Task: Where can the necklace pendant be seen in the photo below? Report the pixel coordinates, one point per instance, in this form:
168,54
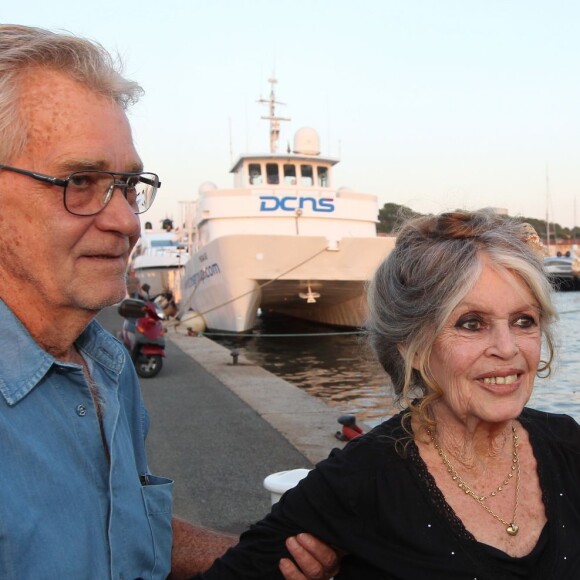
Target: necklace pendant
512,529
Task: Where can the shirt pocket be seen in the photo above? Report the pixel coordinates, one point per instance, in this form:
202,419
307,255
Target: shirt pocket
158,499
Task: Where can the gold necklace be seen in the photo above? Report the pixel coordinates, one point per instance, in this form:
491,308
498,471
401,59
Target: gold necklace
511,527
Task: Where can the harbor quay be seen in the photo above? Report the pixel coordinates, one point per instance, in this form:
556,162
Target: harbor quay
219,428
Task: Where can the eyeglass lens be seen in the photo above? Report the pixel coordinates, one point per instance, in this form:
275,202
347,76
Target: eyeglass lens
88,192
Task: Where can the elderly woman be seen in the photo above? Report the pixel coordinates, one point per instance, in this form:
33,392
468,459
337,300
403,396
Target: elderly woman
466,482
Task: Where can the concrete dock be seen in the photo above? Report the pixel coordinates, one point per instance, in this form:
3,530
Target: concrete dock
219,429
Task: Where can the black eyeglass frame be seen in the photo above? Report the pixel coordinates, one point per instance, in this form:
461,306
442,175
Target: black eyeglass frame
64,183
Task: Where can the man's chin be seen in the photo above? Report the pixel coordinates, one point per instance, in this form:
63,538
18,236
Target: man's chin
102,300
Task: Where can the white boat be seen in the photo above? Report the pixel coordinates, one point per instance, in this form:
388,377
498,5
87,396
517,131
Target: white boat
563,270
282,240
158,259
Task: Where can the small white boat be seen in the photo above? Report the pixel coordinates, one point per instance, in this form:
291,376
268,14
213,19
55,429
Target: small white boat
283,240
563,270
158,259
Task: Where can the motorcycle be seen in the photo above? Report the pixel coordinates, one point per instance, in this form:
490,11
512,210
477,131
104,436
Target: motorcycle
350,430
143,334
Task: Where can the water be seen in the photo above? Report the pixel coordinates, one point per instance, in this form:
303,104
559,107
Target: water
338,367
561,392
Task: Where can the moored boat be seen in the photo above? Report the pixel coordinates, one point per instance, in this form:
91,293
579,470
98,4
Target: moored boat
563,270
283,240
158,260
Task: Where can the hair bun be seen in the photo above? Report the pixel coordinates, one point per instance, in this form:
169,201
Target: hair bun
457,225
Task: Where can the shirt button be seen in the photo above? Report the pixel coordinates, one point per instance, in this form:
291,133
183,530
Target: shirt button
81,410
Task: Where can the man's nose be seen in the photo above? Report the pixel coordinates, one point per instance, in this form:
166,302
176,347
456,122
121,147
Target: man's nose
118,213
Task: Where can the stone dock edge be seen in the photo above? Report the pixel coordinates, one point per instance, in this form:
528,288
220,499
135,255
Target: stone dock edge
306,422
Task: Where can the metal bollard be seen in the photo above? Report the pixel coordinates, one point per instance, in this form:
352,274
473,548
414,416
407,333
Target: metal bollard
234,354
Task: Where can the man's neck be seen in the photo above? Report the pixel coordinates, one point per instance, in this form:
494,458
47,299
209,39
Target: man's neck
54,330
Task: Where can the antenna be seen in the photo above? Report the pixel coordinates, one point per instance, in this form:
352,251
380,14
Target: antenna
274,121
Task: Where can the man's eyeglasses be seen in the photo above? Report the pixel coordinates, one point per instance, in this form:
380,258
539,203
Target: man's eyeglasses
88,192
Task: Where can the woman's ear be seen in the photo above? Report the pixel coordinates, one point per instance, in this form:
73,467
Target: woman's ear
402,348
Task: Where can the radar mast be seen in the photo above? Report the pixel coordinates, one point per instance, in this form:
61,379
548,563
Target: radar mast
274,121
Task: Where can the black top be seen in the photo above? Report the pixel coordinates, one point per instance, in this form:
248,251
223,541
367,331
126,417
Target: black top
387,513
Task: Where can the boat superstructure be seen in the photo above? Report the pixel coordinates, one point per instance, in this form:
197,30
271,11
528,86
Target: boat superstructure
283,240
158,259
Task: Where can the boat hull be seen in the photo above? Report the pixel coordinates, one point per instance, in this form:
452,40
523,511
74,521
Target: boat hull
160,280
158,260
301,276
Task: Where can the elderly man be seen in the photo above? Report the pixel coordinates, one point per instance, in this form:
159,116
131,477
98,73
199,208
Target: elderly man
77,498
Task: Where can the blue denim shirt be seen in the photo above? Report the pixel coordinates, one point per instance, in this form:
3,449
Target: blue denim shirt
65,512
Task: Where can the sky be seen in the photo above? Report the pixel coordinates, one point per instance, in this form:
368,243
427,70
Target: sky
432,104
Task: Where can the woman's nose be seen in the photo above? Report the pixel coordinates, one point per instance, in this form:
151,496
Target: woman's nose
503,341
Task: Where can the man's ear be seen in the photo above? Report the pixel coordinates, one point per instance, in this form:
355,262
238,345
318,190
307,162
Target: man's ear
402,348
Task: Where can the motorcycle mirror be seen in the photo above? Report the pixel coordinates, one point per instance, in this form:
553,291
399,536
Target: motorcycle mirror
131,308
347,420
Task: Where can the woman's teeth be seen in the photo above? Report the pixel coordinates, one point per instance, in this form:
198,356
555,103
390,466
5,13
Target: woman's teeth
500,380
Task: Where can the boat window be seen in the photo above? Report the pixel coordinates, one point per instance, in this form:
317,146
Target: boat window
290,174
255,174
272,173
322,176
163,243
306,175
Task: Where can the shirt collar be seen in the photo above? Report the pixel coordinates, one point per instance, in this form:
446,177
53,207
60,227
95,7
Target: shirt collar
23,363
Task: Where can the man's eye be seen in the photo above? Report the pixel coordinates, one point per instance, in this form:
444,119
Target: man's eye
81,181
133,182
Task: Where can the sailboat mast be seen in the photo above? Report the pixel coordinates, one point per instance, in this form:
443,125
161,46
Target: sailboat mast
547,210
574,229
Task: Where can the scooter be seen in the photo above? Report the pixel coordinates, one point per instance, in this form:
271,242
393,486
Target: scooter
350,430
142,334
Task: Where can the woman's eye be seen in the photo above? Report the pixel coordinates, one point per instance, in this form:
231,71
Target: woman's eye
525,321
469,324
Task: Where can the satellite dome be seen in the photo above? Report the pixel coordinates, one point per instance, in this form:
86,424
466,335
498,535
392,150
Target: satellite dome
306,142
207,186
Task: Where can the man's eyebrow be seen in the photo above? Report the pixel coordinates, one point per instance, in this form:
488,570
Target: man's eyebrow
74,165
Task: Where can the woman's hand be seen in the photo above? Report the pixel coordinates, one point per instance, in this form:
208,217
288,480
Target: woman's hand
315,560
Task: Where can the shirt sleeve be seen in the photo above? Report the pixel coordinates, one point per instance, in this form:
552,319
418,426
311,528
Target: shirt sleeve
323,504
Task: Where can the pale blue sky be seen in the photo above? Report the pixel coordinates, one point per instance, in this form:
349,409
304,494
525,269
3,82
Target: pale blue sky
435,104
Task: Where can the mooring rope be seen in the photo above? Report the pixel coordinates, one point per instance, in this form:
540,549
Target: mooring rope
260,335
200,314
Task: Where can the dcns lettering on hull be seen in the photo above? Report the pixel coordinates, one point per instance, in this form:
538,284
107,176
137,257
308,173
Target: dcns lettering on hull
292,203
